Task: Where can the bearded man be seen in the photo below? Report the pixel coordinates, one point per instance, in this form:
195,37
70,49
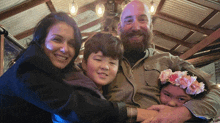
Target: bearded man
137,82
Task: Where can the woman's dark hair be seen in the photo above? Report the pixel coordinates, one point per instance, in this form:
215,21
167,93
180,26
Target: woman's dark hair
42,28
108,44
201,77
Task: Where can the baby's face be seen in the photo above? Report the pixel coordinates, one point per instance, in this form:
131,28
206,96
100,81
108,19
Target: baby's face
173,96
101,69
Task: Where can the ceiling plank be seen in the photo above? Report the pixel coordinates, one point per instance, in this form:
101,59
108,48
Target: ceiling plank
90,6
183,23
91,24
165,50
164,36
198,2
205,42
81,10
199,25
20,8
30,31
184,39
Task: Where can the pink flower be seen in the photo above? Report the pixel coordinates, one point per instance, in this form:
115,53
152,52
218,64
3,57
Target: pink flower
172,78
180,74
165,75
195,88
186,81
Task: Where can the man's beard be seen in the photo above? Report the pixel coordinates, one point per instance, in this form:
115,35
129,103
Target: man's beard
136,47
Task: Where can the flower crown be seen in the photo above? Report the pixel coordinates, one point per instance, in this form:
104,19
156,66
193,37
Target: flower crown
184,81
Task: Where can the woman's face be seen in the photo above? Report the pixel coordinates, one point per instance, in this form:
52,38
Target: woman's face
59,44
173,96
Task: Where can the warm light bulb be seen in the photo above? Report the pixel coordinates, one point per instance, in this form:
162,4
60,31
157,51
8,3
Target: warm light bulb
218,85
100,9
73,8
152,9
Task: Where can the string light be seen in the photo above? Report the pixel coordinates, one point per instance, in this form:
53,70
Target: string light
152,8
124,3
100,9
73,8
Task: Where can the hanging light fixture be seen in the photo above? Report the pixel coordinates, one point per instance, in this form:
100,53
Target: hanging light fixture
111,8
152,8
100,9
124,3
73,8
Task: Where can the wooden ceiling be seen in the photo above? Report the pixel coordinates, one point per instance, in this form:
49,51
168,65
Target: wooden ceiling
199,53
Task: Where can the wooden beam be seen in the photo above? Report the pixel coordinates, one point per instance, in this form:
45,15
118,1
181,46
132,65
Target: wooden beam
51,6
203,60
161,48
88,34
24,34
164,36
199,25
184,39
20,8
205,42
160,5
214,12
119,1
1,54
183,23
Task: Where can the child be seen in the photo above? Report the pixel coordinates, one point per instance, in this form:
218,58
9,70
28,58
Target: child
101,58
100,61
178,87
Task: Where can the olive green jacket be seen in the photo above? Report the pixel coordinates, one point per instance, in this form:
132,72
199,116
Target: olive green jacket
139,86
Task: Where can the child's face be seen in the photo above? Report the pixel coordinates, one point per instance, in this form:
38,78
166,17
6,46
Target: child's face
101,69
173,96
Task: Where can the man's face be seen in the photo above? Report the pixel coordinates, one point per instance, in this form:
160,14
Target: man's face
135,27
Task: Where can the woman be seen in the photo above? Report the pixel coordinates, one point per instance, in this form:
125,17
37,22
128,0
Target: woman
34,87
